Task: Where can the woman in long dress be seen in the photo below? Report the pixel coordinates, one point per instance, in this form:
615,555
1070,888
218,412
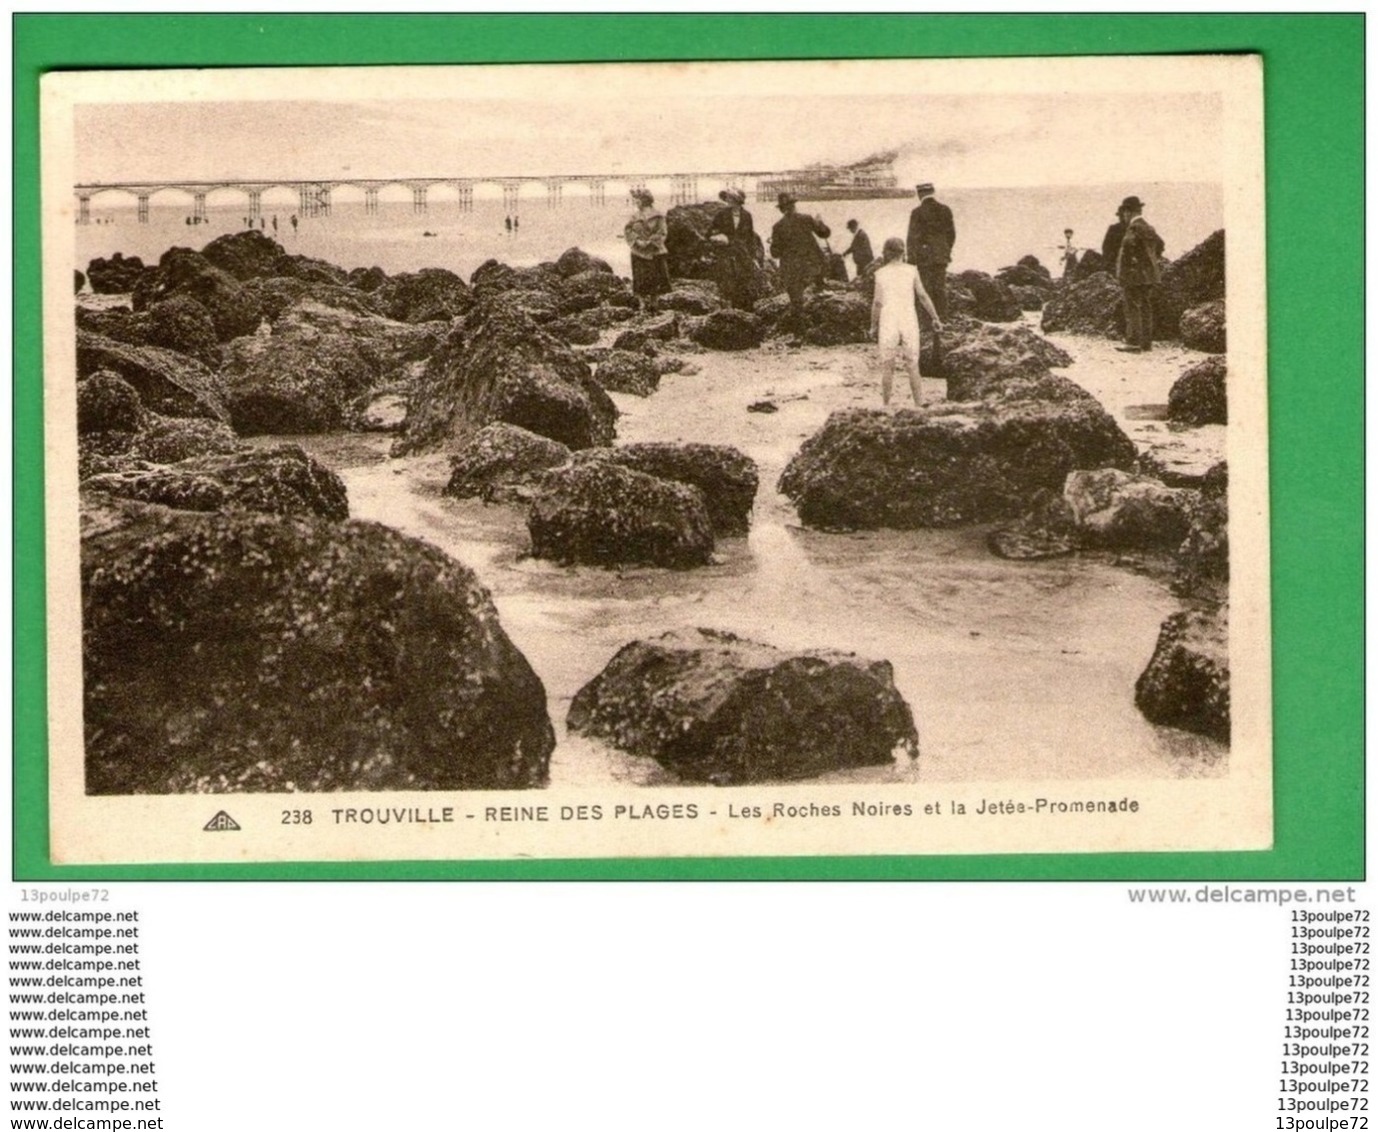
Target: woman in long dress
645,233
737,266
895,320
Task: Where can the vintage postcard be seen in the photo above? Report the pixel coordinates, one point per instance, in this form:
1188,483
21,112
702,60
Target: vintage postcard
663,460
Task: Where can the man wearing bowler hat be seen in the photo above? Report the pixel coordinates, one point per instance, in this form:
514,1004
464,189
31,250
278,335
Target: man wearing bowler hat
1138,271
793,243
929,247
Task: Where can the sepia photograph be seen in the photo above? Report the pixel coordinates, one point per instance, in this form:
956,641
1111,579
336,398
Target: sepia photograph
657,460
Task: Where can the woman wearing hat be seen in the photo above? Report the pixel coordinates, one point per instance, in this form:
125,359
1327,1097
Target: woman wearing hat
736,267
645,233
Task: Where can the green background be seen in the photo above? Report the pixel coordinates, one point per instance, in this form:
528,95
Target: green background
1315,223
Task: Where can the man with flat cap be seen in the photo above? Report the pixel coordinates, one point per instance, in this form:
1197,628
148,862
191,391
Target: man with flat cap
793,241
929,247
1138,271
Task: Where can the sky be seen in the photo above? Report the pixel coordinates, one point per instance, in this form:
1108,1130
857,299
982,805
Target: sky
955,139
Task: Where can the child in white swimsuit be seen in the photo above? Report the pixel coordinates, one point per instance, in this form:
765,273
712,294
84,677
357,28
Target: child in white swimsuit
895,321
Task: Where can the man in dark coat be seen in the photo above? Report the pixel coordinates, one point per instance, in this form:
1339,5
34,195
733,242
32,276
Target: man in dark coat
793,241
1110,246
860,248
1138,270
932,235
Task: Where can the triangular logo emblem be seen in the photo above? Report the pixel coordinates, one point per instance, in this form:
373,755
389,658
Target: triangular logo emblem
221,823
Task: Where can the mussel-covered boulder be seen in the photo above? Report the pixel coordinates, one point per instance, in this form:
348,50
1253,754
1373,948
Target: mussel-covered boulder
952,464
1028,272
114,276
624,371
500,366
367,279
247,652
182,324
1093,305
598,513
988,359
718,708
282,480
108,403
277,295
686,298
502,463
432,294
1203,327
307,381
1195,278
652,328
1203,559
990,299
1198,396
728,330
1112,508
78,281
167,382
167,440
233,310
726,476
573,261
692,254
1187,682
250,254
834,318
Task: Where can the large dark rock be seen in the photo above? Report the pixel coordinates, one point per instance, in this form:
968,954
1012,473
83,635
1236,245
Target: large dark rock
991,300
590,289
1028,272
250,254
117,323
692,255
623,371
182,324
1187,683
108,403
573,261
683,298
167,382
1203,327
499,366
985,359
652,328
429,295
282,480
1047,530
1198,396
233,309
1114,509
279,294
1203,559
716,708
726,476
1199,275
1089,263
728,330
389,348
952,464
834,318
502,463
79,281
1093,305
367,279
601,514
237,652
167,440
114,276
286,384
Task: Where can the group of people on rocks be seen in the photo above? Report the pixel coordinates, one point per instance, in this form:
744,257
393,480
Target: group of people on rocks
910,276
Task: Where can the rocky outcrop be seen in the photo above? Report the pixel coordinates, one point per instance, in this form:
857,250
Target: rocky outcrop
429,295
1203,559
728,330
598,513
1092,305
114,276
499,366
108,403
699,300
116,433
726,476
714,707
976,294
182,324
623,371
239,652
167,382
1114,509
232,309
1187,682
953,464
278,295
1028,272
1195,278
574,261
987,360
502,463
247,255
1198,397
835,318
1203,327
282,480
167,440
654,328
692,255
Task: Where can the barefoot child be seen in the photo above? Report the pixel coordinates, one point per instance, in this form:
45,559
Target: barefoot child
894,319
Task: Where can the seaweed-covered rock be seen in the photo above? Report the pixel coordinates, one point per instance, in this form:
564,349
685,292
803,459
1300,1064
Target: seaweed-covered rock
502,463
168,440
1203,327
714,707
182,324
1114,509
1187,682
432,294
692,300
282,480
951,464
1028,272
1092,305
246,652
573,261
291,384
1198,396
367,279
834,318
114,276
233,309
1203,559
108,403
726,476
79,281
692,255
1199,275
1047,530
728,330
988,359
622,371
167,382
653,328
601,514
279,295
500,366
250,254
991,300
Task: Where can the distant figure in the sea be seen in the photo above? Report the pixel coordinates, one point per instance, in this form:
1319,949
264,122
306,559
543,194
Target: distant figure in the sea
645,233
293,222
275,224
188,220
894,321
1110,246
262,223
1069,254
859,249
507,220
1139,272
794,242
932,235
737,269
516,223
